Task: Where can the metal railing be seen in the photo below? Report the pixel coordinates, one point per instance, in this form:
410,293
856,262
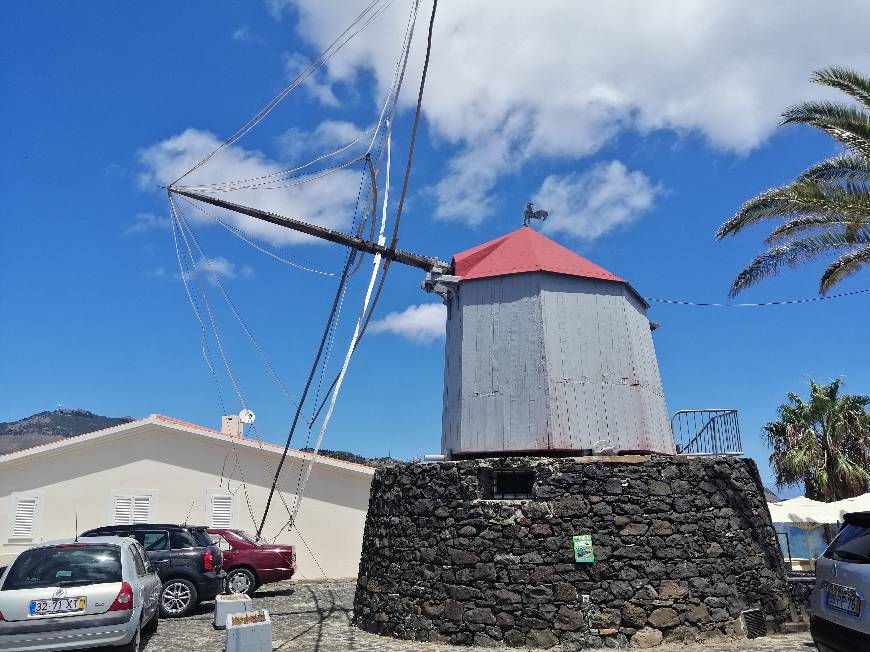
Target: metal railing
706,432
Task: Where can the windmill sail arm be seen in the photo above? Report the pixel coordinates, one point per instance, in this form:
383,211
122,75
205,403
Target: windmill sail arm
406,258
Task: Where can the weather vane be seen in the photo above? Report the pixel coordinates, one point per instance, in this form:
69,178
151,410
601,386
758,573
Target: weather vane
531,214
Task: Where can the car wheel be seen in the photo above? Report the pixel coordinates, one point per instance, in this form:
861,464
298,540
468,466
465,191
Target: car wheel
178,598
135,643
241,580
151,626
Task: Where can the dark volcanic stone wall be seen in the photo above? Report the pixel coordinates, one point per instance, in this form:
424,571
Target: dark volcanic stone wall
682,546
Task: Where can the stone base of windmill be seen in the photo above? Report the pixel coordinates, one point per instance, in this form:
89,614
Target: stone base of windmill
681,547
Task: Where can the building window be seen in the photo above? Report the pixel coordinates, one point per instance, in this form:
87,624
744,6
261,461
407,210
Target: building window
24,519
506,484
221,510
131,509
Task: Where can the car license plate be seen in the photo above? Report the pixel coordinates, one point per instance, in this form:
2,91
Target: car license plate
843,598
57,606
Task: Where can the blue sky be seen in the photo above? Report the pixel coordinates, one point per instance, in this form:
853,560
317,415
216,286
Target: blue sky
639,135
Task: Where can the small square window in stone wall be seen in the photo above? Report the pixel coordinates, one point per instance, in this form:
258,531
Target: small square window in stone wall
506,484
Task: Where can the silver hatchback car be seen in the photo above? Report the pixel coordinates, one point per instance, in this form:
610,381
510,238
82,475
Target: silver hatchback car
840,620
70,595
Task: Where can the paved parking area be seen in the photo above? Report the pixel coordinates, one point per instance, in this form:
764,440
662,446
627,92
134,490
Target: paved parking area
316,616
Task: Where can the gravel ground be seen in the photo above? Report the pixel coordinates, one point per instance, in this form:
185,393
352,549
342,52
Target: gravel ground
316,616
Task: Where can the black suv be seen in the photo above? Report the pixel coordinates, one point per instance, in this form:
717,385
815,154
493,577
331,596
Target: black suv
188,563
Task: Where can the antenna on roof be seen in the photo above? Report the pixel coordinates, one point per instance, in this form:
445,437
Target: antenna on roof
531,214
77,527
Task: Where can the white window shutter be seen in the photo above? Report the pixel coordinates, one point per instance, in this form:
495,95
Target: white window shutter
25,514
221,510
132,509
141,509
123,510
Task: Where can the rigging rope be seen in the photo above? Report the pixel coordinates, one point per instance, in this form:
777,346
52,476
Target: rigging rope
376,264
758,305
395,239
289,171
303,179
366,311
177,222
182,221
358,332
319,62
386,110
232,306
203,338
236,232
179,218
342,282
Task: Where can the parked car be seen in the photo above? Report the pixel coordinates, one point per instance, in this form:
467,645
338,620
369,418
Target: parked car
840,618
75,594
250,563
188,563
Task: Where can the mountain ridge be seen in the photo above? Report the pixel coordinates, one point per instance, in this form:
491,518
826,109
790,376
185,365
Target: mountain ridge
50,426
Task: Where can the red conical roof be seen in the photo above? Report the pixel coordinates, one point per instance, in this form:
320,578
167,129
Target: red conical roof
525,250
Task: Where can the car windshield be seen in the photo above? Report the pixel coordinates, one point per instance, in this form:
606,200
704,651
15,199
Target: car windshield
852,544
68,565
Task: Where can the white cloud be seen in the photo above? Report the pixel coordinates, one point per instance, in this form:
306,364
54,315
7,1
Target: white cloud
277,8
328,201
592,203
219,267
329,135
144,222
508,86
159,272
422,323
319,89
245,34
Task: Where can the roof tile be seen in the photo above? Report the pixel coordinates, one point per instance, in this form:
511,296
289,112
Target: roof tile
525,250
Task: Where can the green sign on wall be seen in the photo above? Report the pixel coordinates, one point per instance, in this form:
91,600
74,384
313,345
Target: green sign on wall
583,551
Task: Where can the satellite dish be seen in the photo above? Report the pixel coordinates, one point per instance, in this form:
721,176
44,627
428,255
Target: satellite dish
247,416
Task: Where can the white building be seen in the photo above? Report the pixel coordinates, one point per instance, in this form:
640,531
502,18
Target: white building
162,470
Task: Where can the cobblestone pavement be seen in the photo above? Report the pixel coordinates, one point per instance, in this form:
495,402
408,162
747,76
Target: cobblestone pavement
316,617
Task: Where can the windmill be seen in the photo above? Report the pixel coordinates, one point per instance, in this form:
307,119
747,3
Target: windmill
546,352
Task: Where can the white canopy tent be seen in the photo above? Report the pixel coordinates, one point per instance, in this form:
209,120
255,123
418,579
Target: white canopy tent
806,510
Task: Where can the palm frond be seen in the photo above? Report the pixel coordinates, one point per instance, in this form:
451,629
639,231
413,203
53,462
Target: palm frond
807,223
827,208
846,167
846,80
834,113
791,253
846,265
801,197
850,125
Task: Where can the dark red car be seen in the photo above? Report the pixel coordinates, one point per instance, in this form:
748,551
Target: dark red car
249,564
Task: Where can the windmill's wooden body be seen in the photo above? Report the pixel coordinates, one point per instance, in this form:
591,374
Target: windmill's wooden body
546,353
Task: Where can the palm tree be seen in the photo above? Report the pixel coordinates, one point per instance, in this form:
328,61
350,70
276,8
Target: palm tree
826,210
824,443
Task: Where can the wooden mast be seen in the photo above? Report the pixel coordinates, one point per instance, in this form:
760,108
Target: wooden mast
406,258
